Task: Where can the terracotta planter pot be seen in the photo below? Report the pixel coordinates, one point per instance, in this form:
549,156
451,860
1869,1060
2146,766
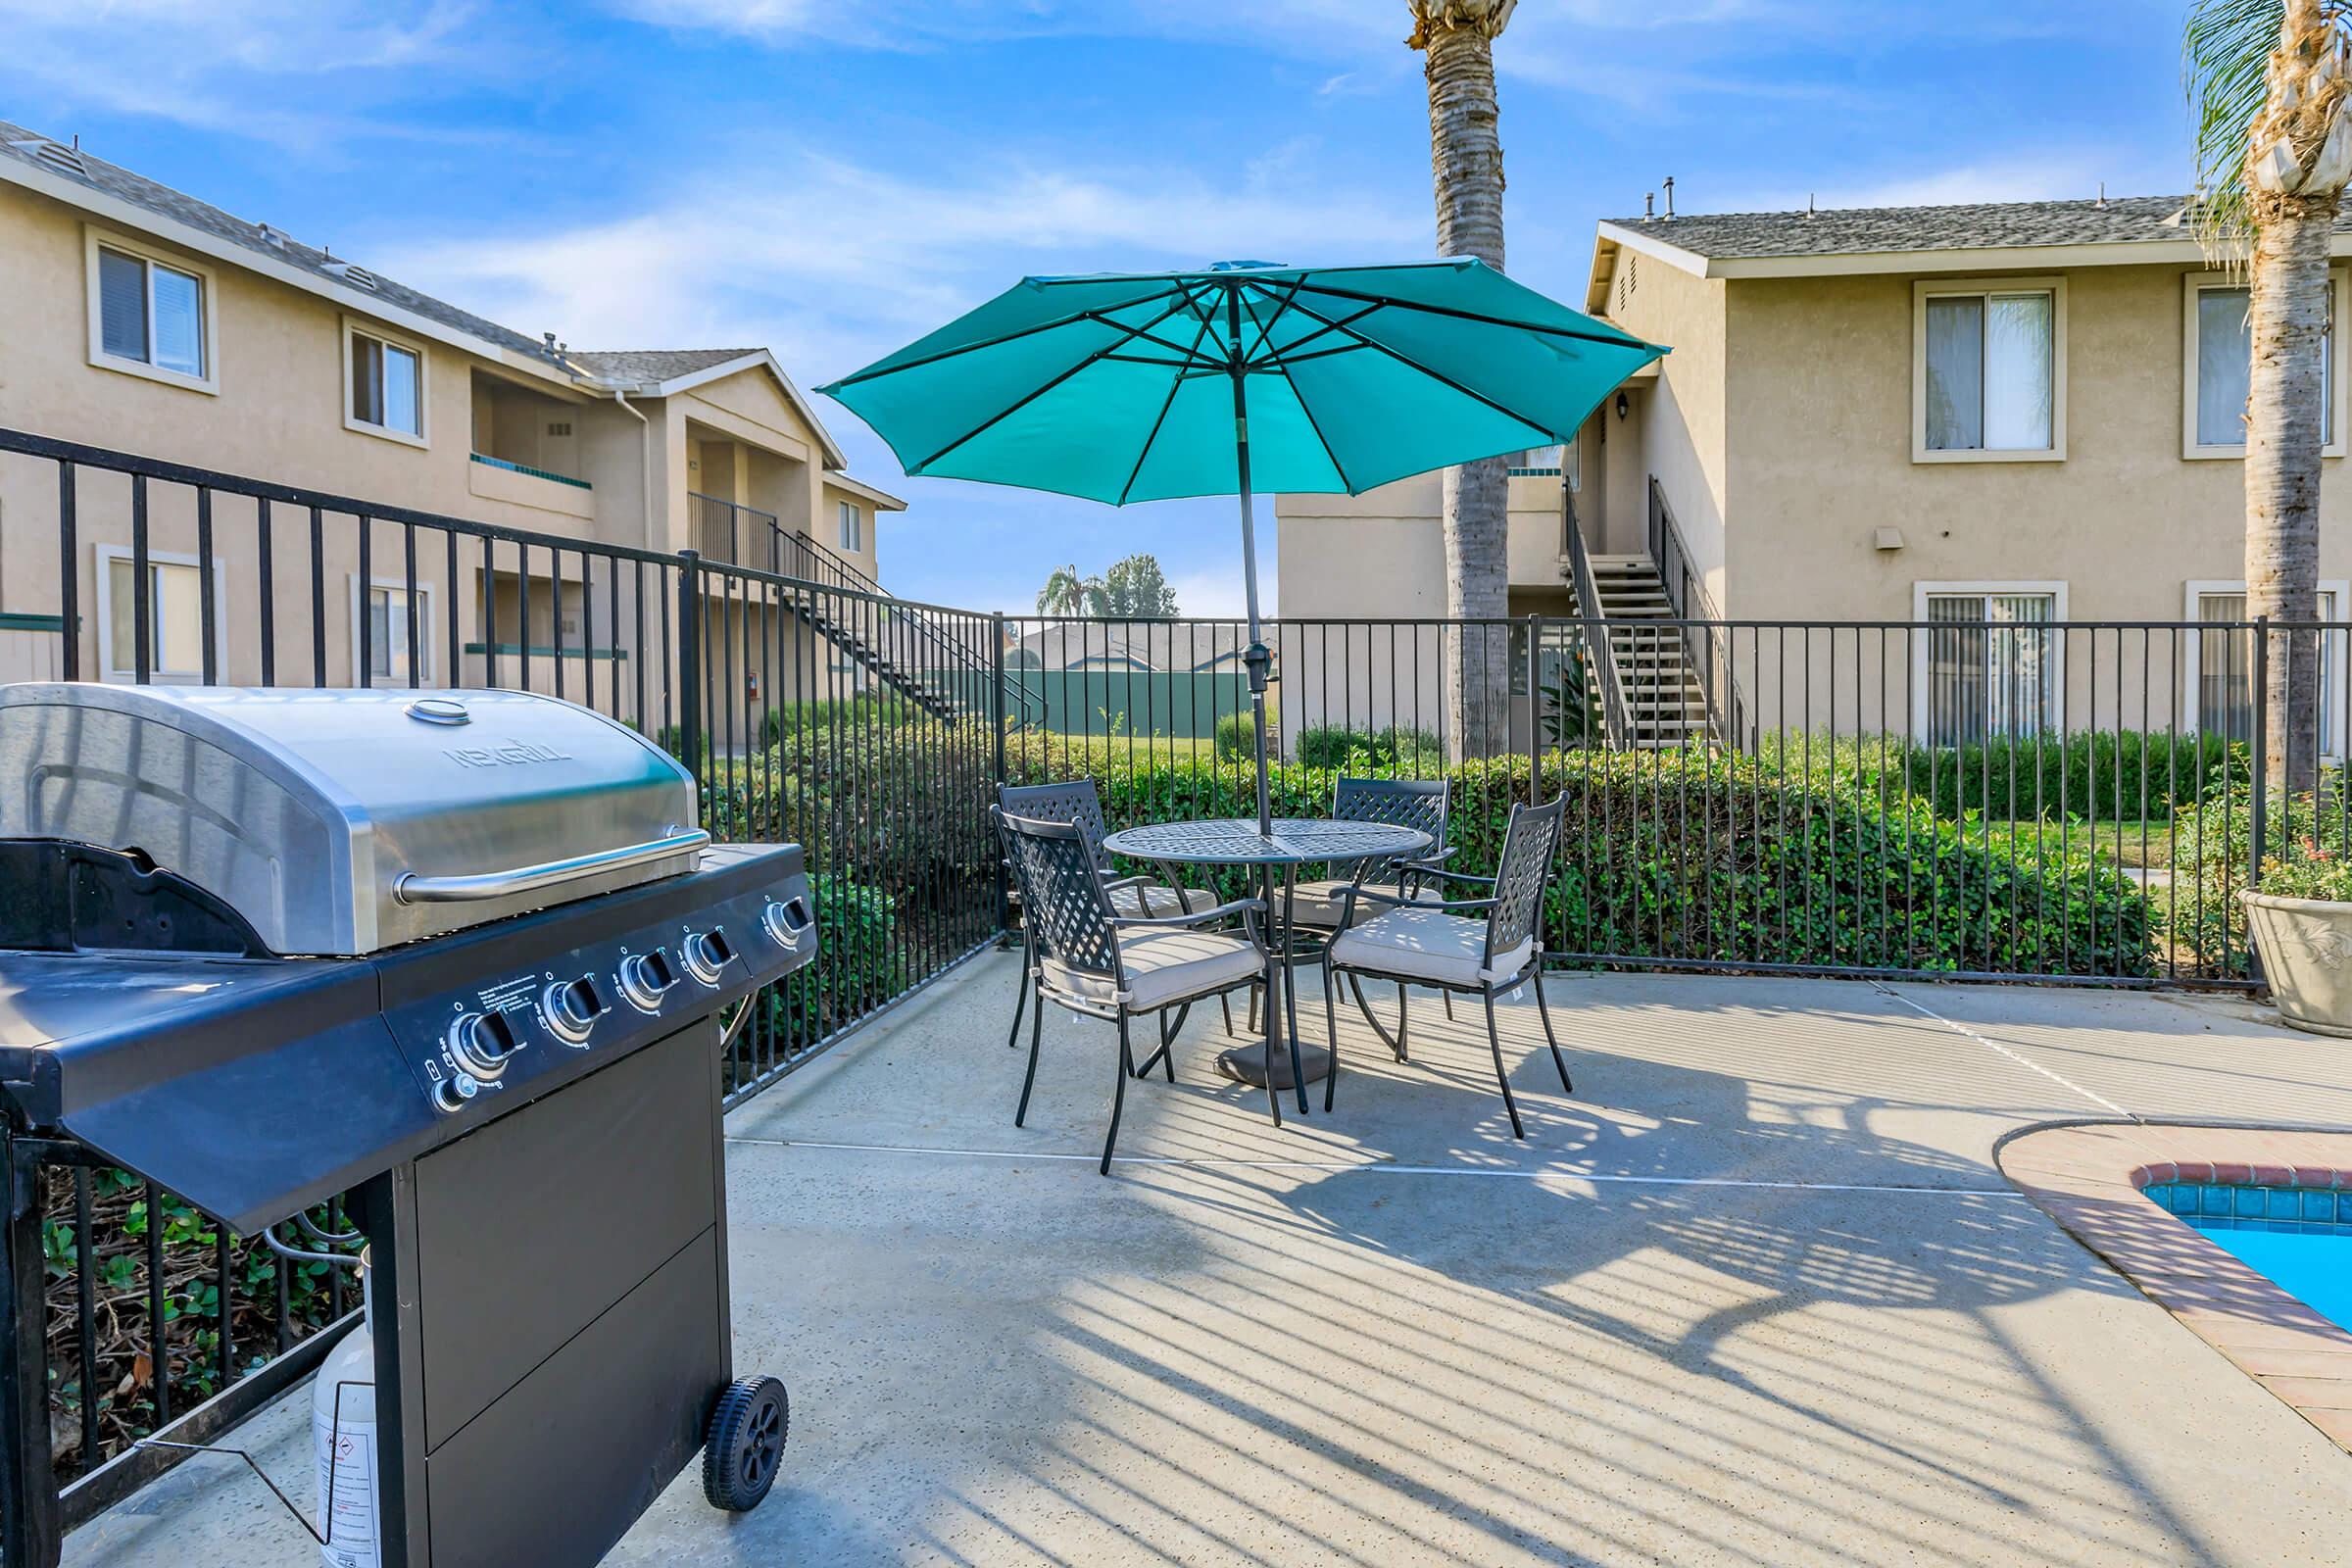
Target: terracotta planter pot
2306,950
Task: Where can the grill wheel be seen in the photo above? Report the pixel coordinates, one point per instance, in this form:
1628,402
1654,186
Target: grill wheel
745,1445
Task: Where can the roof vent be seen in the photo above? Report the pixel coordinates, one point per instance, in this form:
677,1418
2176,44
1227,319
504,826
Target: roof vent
352,272
56,155
273,238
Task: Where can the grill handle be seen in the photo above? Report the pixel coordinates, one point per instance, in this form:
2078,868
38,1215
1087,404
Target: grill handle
414,889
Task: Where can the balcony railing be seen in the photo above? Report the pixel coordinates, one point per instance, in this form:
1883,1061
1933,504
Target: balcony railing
488,460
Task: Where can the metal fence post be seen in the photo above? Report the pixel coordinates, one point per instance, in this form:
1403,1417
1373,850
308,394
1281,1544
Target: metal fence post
996,721
30,1535
2259,813
1535,713
690,660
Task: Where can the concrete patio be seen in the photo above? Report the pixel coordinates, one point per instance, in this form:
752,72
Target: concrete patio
1758,1293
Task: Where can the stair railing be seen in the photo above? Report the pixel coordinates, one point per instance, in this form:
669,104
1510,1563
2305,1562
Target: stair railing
797,554
1687,596
1616,716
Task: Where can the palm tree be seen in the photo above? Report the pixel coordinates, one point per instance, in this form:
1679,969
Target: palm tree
2268,81
1466,161
1065,592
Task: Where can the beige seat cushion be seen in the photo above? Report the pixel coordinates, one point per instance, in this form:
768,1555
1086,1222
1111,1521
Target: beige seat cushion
1156,900
1427,945
1317,903
1164,966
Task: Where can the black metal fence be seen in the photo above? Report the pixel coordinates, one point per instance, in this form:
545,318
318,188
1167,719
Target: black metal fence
808,707
1986,790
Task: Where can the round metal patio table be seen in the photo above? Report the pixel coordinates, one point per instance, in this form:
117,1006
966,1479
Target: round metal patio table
1273,860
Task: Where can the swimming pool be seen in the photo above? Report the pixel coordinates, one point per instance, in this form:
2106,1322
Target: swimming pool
2301,1238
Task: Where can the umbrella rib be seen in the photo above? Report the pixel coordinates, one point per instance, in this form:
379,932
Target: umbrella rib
1622,340
1285,355
1175,385
1011,409
1191,356
1439,376
875,372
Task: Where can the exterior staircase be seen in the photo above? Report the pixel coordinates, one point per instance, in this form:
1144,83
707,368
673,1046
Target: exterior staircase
1665,706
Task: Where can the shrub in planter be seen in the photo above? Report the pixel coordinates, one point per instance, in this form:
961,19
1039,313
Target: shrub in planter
2213,846
2301,923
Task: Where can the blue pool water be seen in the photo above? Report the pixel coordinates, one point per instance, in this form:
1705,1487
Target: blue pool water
2302,1238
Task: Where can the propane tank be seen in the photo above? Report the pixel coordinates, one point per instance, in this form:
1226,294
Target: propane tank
343,1440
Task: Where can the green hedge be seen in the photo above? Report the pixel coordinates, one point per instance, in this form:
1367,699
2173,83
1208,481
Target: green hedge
1687,854
2107,775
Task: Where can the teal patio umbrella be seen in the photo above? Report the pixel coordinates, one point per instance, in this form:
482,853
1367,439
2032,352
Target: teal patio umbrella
1146,387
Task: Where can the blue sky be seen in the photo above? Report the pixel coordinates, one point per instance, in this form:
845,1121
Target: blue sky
833,177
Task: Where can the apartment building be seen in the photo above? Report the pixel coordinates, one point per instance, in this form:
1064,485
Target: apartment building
139,319
1980,418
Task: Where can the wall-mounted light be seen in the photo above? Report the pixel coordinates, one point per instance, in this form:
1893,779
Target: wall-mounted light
1622,405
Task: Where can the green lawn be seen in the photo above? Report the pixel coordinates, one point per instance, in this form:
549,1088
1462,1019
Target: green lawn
2118,843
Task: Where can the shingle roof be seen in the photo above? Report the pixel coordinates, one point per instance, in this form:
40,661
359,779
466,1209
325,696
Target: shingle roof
111,180
651,364
1871,230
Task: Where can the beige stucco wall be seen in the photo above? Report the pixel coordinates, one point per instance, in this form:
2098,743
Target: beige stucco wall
1383,553
276,413
1820,457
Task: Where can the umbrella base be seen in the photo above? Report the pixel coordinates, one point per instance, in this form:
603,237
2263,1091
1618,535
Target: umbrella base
1247,1064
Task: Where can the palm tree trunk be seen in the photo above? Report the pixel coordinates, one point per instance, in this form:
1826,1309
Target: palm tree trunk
2284,419
1466,161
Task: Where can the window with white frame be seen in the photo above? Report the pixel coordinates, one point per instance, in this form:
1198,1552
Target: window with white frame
385,379
1989,665
386,649
175,617
150,315
1989,373
2218,353
2218,685
852,527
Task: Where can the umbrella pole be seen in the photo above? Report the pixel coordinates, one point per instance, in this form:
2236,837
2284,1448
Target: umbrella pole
1255,657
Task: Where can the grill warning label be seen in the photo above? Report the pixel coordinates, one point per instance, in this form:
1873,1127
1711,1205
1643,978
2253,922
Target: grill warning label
513,995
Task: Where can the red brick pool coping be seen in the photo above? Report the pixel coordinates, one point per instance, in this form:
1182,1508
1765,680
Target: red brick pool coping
2088,1179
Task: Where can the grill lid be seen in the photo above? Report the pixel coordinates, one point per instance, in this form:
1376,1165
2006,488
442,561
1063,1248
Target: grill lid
342,823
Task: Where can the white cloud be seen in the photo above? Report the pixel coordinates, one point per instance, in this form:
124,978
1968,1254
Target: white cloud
251,68
833,264
2053,174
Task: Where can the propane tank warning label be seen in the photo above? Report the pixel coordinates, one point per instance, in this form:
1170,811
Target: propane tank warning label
349,1524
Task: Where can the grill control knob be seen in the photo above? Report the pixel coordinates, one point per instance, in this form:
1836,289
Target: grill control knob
480,1043
571,1007
450,1094
787,922
706,954
644,977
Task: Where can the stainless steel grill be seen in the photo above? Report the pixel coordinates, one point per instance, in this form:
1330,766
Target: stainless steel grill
464,956
343,822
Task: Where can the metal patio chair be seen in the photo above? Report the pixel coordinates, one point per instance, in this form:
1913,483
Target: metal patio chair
1080,802
1090,960
1421,803
1436,943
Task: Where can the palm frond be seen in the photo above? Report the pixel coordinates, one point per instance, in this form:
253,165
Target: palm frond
2226,53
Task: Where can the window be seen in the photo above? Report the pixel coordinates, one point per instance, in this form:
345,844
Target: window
387,649
149,314
2218,686
175,617
1989,664
1988,375
2218,350
386,382
852,527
